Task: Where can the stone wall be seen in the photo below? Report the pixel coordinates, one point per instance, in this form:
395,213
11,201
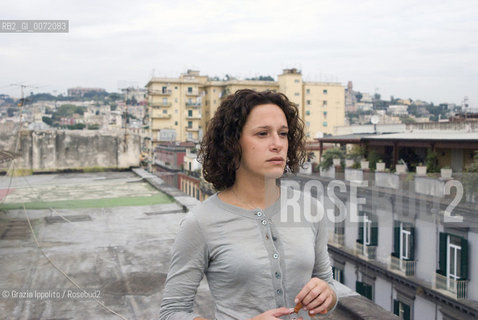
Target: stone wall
70,149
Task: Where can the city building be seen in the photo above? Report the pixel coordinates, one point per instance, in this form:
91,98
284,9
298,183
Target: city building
179,108
80,92
407,240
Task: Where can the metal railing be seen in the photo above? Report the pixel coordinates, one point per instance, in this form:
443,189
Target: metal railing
456,288
406,266
369,252
337,238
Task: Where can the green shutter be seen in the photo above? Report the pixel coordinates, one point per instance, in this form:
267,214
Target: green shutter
442,252
406,311
342,276
360,232
368,291
464,259
374,240
396,239
412,243
359,287
396,307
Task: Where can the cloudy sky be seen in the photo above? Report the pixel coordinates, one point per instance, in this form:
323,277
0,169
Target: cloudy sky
425,49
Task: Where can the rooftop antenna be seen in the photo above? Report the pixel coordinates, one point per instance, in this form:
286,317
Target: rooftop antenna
465,105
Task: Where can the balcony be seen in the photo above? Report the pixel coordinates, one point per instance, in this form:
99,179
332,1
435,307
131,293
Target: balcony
454,288
407,267
193,105
369,252
161,116
192,93
197,117
161,105
192,129
160,92
337,239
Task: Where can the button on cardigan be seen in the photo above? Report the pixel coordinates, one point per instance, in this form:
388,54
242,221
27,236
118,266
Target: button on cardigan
254,260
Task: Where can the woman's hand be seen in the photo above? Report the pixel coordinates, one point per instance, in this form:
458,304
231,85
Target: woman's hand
316,296
273,314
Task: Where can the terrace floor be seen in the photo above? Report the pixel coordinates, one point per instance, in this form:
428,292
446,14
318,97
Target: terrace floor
108,234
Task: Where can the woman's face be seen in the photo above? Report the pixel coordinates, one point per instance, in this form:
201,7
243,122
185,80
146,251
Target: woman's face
264,142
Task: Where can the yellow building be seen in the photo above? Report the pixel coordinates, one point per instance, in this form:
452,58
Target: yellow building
179,108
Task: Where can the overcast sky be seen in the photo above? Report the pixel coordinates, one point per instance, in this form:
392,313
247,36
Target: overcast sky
426,49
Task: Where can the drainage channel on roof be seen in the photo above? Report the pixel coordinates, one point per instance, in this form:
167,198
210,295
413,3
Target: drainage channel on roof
14,230
163,212
58,219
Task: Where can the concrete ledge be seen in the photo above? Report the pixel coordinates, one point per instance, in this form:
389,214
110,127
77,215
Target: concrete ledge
360,307
184,200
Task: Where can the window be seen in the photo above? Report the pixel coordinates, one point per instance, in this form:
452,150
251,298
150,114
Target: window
324,123
296,80
307,113
453,260
364,289
307,124
190,89
175,88
308,102
190,113
190,124
175,123
164,89
324,91
338,274
403,241
324,103
325,114
165,111
297,94
402,310
165,101
307,91
367,235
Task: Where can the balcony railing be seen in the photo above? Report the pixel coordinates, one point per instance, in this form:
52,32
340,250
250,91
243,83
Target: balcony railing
337,238
455,288
193,104
405,266
161,104
161,116
160,92
192,129
366,251
192,93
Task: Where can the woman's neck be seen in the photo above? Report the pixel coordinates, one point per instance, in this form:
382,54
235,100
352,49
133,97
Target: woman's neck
255,193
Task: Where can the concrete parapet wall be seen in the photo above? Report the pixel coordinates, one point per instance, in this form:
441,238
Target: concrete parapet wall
70,150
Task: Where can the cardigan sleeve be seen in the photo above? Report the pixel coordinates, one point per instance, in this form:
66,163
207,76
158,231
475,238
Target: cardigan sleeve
189,263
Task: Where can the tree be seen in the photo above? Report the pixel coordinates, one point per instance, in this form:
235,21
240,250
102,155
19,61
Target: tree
47,120
359,96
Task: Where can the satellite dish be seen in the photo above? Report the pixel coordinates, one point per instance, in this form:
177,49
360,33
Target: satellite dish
374,119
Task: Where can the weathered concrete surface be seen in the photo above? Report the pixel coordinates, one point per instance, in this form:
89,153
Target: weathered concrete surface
53,150
121,253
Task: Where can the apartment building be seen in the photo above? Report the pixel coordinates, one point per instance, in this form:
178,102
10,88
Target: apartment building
412,247
179,108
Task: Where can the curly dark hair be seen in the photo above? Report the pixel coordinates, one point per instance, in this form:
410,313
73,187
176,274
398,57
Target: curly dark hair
220,152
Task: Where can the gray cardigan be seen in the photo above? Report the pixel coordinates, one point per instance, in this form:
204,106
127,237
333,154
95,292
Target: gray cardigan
253,260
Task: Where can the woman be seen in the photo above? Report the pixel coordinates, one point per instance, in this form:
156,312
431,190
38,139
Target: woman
257,265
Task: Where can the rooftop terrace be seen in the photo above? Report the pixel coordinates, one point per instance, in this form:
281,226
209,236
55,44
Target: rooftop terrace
106,234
